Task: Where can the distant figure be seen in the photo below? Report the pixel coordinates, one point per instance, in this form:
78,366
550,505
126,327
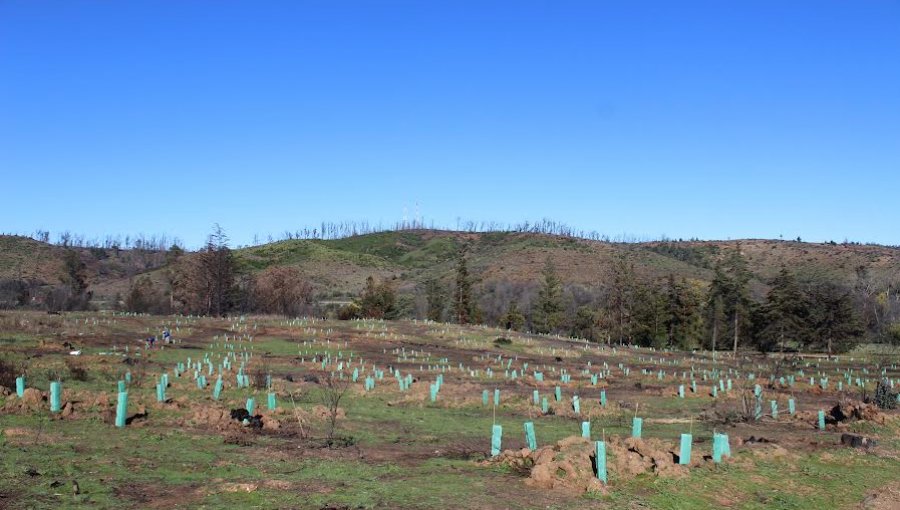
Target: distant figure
167,336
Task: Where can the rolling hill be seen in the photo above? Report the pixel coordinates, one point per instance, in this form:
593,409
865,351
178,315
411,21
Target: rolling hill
339,267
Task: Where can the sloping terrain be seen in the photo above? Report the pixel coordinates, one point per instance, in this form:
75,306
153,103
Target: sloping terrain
339,267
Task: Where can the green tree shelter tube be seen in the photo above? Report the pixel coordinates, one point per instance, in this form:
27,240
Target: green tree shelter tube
684,456
603,399
55,397
545,406
721,447
530,438
536,397
636,425
484,397
217,389
251,405
792,407
497,397
558,393
271,403
576,405
586,429
821,420
122,409
20,386
601,461
496,437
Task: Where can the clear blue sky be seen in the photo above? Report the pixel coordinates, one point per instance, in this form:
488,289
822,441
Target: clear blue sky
688,119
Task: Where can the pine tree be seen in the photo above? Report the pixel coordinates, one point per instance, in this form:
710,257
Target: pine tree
462,293
785,313
547,313
621,300
835,319
737,300
513,318
715,304
436,300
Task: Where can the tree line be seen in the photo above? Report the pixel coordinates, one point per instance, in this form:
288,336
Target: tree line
669,312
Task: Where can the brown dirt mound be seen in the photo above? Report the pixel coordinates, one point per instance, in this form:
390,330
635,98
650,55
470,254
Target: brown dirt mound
569,464
856,411
885,498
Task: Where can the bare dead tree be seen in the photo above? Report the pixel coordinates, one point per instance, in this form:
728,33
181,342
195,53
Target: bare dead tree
333,390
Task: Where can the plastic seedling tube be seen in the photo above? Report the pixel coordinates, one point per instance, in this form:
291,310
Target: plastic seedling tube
20,386
251,404
530,438
576,405
718,449
484,397
496,437
122,409
271,403
497,397
586,429
603,398
821,420
774,405
536,397
637,425
558,393
601,461
792,407
217,389
684,457
545,405
55,397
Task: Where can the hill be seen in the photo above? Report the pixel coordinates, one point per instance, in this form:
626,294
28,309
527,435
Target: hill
339,267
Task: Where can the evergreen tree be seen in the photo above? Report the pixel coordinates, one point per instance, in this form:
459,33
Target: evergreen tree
836,322
737,300
436,300
462,292
547,313
785,313
715,304
651,315
513,319
621,300
683,314
378,301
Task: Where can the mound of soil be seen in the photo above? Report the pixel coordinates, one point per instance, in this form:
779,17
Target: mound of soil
856,411
570,463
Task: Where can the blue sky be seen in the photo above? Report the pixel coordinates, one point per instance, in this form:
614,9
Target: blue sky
687,119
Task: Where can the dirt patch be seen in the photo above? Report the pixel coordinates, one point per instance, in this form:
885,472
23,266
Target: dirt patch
570,463
884,498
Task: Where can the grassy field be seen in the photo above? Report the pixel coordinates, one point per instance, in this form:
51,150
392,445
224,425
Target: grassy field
394,448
